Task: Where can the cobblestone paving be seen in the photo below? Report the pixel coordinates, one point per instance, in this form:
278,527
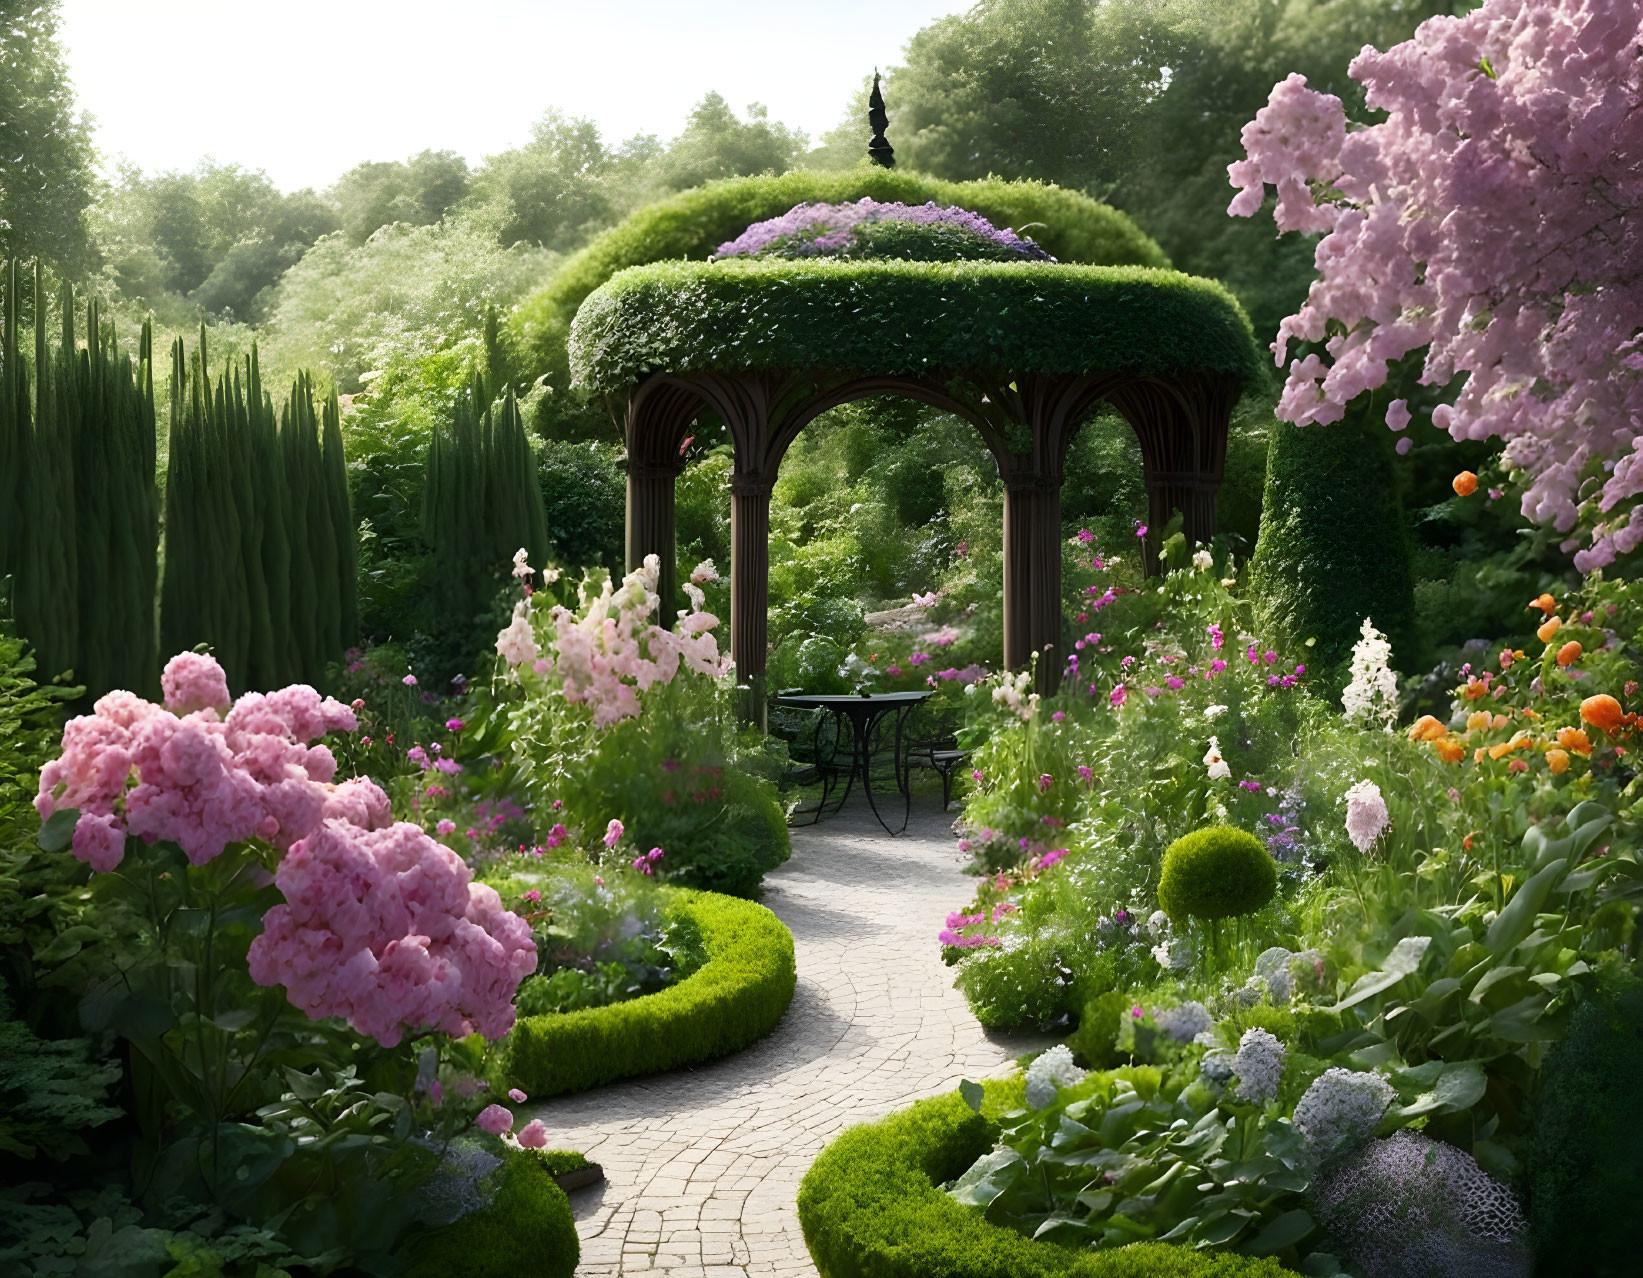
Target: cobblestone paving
702,1165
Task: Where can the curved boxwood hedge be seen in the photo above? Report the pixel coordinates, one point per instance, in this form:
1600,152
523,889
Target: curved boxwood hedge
731,1001
905,317
1069,225
870,1208
525,1231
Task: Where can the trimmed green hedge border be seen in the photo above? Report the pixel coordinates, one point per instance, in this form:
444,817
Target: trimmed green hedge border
692,225
895,317
525,1231
732,1000
870,1208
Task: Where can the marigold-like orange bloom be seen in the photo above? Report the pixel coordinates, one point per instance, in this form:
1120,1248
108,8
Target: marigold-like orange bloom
1569,653
1426,728
1477,755
1474,689
1500,721
1557,761
1449,749
1479,721
1466,483
1548,628
1467,841
1574,739
1545,603
1602,711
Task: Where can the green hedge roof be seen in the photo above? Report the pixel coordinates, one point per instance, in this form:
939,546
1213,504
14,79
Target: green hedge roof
892,317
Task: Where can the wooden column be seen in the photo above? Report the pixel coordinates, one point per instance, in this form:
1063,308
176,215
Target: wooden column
650,526
750,588
1032,575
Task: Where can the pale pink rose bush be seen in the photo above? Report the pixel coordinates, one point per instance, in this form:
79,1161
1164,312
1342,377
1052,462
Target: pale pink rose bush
381,925
1490,219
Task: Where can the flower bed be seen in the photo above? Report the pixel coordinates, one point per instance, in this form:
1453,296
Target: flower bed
526,1230
872,1204
731,1001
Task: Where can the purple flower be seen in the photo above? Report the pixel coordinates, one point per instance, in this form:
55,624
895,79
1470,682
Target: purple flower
817,230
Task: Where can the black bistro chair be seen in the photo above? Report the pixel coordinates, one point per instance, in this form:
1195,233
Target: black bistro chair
932,742
817,754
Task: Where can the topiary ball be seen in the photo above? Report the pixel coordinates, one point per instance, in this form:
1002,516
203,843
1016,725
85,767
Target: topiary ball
1214,873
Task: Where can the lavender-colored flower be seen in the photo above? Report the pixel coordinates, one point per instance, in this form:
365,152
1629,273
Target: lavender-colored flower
834,230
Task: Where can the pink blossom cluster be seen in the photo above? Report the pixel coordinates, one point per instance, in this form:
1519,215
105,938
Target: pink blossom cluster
387,929
201,773
1491,219
611,653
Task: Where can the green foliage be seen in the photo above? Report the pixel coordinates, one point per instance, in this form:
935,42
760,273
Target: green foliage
50,1090
1096,1039
871,1205
78,501
260,557
1069,225
418,191
526,1230
481,503
1215,873
584,493
1587,1156
1334,545
904,317
735,998
47,159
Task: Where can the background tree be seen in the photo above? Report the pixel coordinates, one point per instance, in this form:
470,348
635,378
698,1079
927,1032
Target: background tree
46,155
549,191
420,190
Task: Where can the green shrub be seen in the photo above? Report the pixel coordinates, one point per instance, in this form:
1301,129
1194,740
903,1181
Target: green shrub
1096,1038
905,318
872,1205
1215,873
525,1231
1068,224
1586,1161
1333,546
732,1000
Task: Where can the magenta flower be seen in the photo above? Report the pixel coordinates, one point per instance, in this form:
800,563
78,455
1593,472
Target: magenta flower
1085,774
1175,684
1140,529
1058,716
1253,786
535,898
613,833
516,1096
1085,536
409,681
976,776
454,725
445,827
1045,781
494,1119
1118,696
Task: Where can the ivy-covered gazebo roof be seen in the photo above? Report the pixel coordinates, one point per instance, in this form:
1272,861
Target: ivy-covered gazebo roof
898,318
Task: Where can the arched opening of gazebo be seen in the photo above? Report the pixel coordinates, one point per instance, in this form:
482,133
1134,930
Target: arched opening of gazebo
769,347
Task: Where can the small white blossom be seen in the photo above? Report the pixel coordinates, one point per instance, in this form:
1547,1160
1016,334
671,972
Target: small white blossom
1214,712
1158,923
1366,815
1051,1071
1341,1109
1175,954
703,573
1259,1065
1202,560
1219,768
521,569
517,644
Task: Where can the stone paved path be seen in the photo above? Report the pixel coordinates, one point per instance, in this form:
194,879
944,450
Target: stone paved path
702,1165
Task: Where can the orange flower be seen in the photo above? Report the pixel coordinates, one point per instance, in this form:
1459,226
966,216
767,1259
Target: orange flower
1477,755
1548,628
1478,721
1449,750
1517,765
1467,841
1557,761
1569,653
1506,747
1466,483
1545,603
1602,711
1574,739
1500,721
1426,728
1474,689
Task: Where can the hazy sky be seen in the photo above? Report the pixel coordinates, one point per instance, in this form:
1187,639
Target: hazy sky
305,90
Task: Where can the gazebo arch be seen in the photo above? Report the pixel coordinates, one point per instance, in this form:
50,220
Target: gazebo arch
1023,352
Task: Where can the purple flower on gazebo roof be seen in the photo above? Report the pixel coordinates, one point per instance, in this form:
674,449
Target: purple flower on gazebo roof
850,230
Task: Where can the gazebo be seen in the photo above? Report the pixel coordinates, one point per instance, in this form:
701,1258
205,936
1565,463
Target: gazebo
1024,352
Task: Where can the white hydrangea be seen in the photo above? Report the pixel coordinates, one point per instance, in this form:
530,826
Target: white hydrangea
1050,1072
1158,923
1219,768
1371,697
1272,969
1259,1065
1175,953
1183,1023
1340,1111
1214,712
1366,815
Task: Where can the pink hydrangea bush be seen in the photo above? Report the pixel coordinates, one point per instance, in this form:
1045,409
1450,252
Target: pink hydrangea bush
1490,218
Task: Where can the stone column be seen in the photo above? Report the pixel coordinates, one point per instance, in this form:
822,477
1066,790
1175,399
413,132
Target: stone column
1032,575
650,526
750,588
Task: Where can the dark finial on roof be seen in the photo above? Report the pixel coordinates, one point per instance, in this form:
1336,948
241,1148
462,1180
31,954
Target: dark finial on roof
879,149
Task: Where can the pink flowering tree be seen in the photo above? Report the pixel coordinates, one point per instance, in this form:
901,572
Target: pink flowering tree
261,904
1489,220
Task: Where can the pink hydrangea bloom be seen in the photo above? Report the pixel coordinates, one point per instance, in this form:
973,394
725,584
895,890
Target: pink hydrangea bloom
533,1135
516,1096
494,1119
194,681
